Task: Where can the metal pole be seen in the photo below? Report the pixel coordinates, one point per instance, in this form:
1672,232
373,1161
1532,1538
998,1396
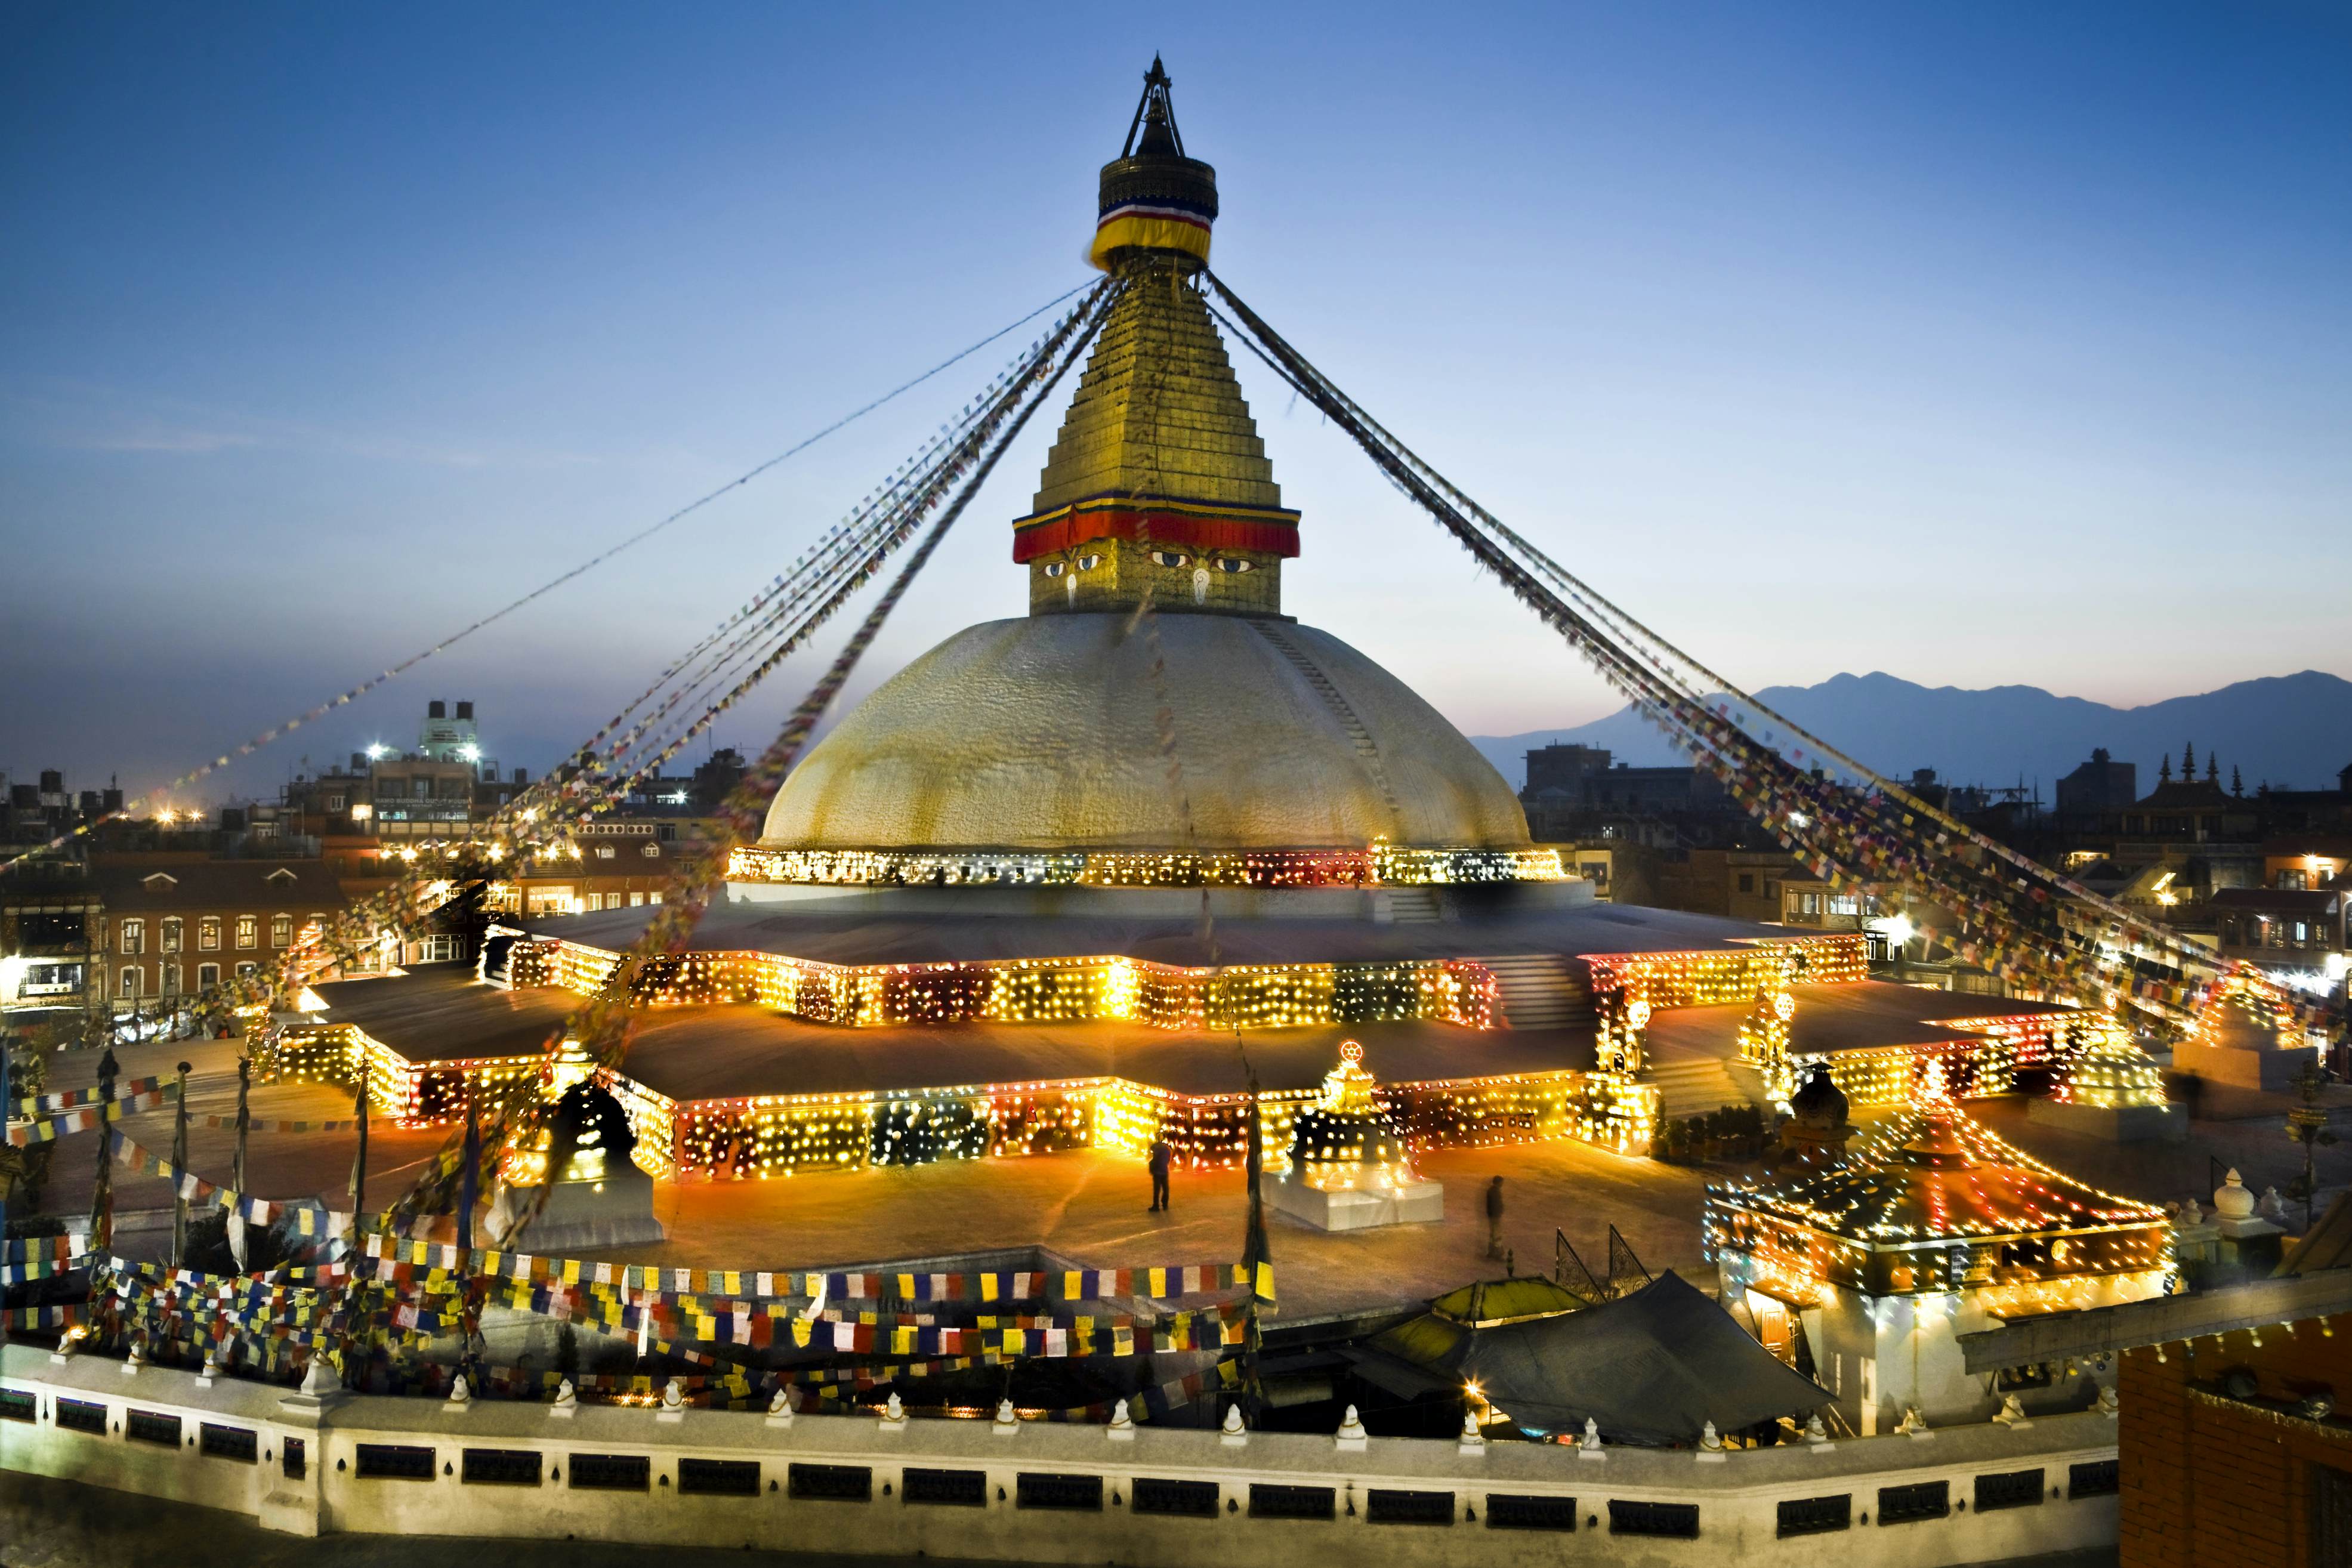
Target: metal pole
101,1197
180,1174
468,1178
359,1161
236,1225
243,1121
7,1110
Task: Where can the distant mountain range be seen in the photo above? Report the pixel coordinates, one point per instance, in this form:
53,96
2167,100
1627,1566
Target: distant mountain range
2294,731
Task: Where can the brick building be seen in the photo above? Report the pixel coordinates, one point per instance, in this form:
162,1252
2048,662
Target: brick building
2233,1449
171,925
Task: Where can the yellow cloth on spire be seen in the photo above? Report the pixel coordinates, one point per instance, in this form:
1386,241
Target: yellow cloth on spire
1151,233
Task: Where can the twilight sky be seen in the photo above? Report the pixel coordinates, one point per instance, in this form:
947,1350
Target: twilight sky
1981,345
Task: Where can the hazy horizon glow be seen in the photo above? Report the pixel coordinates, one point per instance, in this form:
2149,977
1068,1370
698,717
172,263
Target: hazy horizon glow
1983,346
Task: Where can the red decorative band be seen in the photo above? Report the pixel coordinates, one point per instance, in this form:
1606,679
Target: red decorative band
1273,533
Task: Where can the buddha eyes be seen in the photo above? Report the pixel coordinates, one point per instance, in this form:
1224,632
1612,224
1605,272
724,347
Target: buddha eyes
1235,563
1055,568
1088,562
1170,558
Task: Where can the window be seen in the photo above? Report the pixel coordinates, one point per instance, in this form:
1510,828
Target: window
1081,1493
2013,1488
653,898
1186,1500
1670,1519
635,899
831,1483
130,991
1926,1500
2295,881
1747,881
395,1462
249,932
170,934
1504,1511
719,1477
229,1442
611,1472
281,929
245,969
1383,1506
606,852
1269,1500
171,980
208,976
208,934
134,936
502,1468
335,802
152,1427
968,1489
79,1415
651,851
1816,1515
2097,1477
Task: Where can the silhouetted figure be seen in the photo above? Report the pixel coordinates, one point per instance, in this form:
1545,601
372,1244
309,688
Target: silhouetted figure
1161,1156
1494,1217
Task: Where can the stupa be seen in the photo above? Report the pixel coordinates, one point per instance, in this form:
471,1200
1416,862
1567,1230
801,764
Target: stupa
1062,861
1350,1168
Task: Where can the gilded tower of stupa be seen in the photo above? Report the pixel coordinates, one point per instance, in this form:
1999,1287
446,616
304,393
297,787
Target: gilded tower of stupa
1158,485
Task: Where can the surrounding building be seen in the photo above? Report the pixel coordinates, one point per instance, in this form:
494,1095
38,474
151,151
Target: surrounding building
2231,1446
172,926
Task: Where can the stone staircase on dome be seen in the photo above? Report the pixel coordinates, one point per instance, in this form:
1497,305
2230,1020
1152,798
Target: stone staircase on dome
1539,990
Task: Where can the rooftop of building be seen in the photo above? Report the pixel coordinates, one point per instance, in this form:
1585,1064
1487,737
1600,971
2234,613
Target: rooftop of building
147,882
2285,900
1862,1016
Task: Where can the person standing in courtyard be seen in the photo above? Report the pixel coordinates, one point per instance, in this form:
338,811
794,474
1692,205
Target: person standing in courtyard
1495,1218
1161,1155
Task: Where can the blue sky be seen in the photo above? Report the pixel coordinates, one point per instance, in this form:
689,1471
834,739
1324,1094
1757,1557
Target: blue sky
1979,344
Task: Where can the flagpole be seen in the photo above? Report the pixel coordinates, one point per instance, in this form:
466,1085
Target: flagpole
7,1110
469,1176
1254,1251
101,1197
359,1160
243,1121
180,1173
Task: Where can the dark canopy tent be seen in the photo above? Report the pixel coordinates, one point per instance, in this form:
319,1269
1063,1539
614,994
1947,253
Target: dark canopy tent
1651,1368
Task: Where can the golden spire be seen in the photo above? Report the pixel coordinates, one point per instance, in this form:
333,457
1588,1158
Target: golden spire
1158,482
